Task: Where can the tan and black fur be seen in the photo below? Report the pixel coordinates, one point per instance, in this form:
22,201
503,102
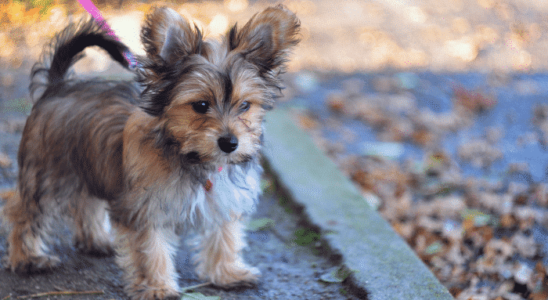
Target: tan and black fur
179,151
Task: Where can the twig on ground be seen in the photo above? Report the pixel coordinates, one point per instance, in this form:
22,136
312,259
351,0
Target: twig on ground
60,293
193,287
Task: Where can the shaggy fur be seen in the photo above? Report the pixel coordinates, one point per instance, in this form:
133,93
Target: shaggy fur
180,151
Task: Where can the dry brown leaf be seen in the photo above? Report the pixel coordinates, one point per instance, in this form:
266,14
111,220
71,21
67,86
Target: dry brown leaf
336,102
5,161
307,122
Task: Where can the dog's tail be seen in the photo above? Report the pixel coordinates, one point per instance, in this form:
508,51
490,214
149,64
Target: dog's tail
65,49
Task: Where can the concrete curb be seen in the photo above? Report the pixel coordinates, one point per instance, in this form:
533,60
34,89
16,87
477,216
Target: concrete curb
385,265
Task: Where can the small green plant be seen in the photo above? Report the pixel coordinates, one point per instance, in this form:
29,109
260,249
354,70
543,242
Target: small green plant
284,202
305,236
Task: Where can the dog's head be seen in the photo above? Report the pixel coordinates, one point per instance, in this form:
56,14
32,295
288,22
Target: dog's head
211,96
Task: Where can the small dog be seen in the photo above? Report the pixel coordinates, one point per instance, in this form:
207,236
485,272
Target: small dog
180,151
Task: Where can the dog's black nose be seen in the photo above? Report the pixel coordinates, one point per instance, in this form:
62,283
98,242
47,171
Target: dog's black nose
228,143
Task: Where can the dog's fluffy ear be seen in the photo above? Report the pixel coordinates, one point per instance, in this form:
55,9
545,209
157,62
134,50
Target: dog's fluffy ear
267,38
169,37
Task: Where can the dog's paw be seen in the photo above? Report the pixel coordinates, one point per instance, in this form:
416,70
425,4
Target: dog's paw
234,276
34,264
155,294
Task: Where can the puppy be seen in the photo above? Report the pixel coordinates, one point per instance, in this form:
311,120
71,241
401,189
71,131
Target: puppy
179,150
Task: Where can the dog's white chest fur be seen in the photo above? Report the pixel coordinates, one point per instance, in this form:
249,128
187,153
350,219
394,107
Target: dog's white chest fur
236,191
233,192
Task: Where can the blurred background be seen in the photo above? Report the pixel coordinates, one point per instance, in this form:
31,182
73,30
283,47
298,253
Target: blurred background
349,36
436,109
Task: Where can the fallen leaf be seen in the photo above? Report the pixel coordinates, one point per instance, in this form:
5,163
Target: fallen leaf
260,224
199,296
336,275
382,149
336,102
434,248
479,218
307,122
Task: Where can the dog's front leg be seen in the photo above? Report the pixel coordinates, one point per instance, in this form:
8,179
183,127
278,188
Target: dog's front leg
219,257
146,257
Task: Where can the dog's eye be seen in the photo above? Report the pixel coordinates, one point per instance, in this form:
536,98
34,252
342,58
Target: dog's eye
200,107
245,106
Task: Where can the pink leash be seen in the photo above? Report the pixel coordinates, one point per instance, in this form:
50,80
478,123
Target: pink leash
95,14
